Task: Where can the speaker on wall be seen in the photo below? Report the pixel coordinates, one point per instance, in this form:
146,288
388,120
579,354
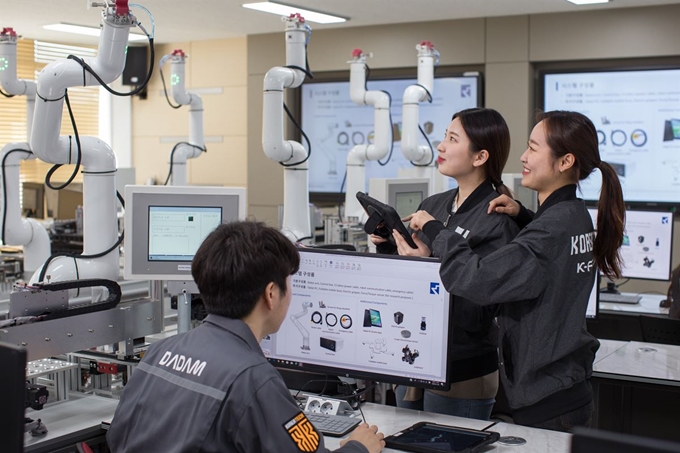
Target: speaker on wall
136,67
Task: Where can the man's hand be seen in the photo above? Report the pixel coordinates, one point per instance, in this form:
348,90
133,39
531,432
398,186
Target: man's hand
405,250
368,436
504,205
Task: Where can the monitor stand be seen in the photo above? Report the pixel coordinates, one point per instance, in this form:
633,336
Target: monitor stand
611,294
611,289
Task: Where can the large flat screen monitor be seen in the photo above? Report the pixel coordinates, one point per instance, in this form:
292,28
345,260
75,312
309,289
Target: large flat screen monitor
637,117
334,124
165,225
379,317
647,244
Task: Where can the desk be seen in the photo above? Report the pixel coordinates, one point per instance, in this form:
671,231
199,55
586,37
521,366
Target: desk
642,362
648,305
80,418
392,419
70,422
637,389
620,321
608,347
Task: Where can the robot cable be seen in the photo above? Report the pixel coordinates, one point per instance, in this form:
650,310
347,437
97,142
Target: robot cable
431,149
165,89
54,168
429,99
297,126
172,155
4,192
45,266
141,87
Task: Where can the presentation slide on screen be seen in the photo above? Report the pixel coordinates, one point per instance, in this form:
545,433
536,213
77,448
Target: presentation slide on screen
647,244
335,124
637,117
366,313
175,233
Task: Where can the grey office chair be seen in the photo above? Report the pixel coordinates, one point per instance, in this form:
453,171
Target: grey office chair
656,329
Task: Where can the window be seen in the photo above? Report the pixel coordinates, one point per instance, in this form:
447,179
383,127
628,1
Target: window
32,57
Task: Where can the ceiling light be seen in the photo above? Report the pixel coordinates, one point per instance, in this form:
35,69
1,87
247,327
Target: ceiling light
286,10
587,2
89,31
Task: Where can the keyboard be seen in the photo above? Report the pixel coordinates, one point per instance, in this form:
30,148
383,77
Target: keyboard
332,425
620,298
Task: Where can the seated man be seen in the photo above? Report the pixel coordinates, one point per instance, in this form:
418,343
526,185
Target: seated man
212,389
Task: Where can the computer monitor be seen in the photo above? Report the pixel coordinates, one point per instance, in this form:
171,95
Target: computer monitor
647,244
13,397
165,225
380,317
403,194
598,441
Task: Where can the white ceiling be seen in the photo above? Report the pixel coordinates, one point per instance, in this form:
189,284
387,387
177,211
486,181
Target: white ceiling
195,20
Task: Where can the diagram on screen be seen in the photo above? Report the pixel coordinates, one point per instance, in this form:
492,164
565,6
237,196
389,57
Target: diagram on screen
377,347
409,356
296,320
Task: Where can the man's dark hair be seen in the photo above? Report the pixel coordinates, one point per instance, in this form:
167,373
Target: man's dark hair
237,261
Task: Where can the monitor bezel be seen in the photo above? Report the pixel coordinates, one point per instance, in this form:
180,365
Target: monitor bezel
598,282
476,71
140,198
358,374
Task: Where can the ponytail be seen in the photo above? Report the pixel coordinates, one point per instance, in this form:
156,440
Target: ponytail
611,217
574,133
503,189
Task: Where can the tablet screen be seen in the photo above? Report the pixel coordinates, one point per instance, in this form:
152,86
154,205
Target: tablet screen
426,437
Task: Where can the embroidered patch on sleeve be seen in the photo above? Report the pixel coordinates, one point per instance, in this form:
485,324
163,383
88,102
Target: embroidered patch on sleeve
302,432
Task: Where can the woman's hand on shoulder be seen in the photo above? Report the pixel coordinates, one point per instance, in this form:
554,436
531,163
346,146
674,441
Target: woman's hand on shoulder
504,205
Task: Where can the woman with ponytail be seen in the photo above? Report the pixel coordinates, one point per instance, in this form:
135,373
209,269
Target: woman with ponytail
474,151
544,278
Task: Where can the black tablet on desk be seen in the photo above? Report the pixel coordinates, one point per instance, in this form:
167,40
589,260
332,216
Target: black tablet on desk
426,437
383,219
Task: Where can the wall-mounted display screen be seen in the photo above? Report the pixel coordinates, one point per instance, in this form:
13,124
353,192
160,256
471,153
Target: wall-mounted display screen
637,117
334,124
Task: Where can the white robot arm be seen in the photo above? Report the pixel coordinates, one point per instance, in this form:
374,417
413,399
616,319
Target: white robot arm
185,151
359,154
99,162
15,230
296,222
421,156
296,320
